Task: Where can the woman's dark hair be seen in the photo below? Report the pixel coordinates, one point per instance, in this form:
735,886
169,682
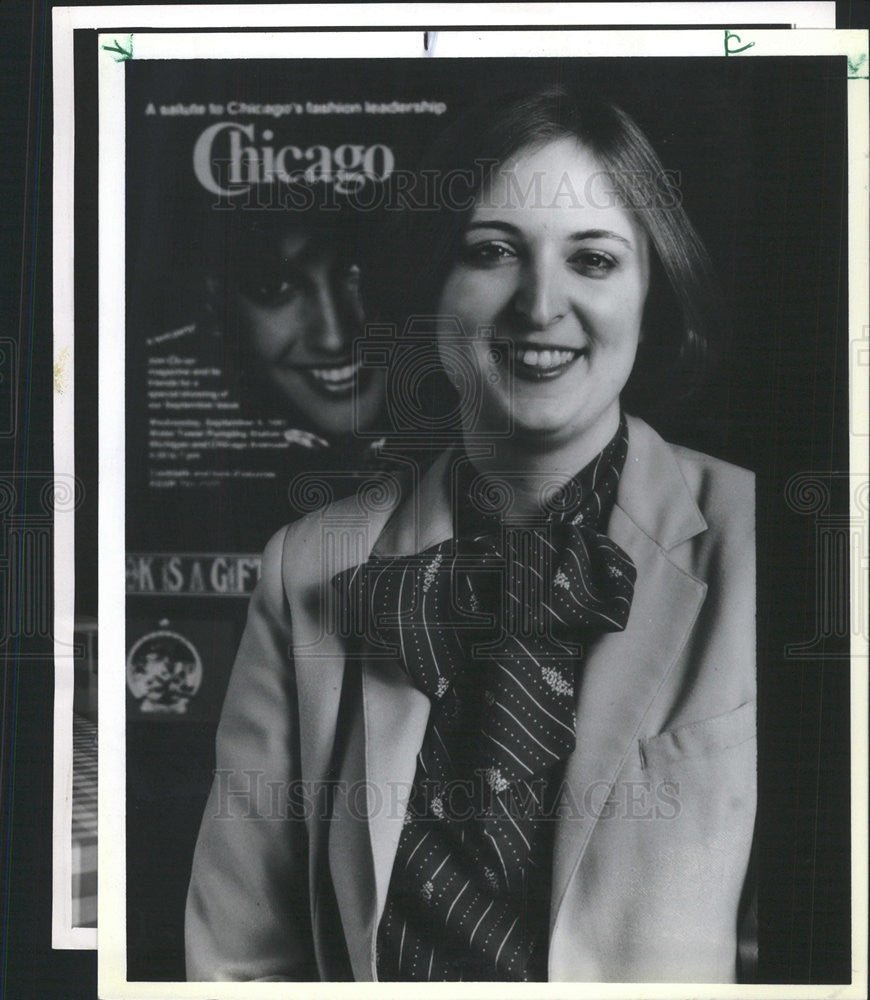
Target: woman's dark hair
236,237
420,243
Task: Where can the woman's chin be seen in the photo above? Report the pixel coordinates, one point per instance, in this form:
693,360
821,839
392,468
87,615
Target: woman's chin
535,423
334,411
339,419
542,436
542,429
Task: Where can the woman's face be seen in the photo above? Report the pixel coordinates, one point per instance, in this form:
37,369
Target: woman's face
299,311
551,263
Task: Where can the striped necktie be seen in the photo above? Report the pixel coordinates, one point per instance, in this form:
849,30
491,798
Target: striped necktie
491,626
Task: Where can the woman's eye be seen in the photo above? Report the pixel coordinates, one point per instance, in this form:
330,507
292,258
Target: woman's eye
270,287
487,254
349,275
593,263
274,292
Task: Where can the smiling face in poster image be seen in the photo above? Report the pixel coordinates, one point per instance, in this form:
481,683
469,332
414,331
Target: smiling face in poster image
293,303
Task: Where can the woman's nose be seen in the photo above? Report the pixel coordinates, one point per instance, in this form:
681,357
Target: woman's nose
540,298
330,325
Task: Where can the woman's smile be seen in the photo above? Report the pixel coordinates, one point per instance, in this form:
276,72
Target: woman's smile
536,362
333,378
561,286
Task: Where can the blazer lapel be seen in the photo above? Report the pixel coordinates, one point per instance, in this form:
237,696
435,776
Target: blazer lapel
379,759
374,782
336,538
624,671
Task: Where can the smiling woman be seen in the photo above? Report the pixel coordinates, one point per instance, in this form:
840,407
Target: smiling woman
565,285
528,693
292,309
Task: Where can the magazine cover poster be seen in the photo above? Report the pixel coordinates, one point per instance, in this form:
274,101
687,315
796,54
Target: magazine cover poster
251,186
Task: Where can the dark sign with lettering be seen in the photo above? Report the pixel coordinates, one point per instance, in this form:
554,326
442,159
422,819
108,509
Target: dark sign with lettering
222,575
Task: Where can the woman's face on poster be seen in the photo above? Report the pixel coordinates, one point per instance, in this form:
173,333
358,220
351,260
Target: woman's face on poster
299,310
553,264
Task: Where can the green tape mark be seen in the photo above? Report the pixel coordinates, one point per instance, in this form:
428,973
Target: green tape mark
855,66
122,54
730,51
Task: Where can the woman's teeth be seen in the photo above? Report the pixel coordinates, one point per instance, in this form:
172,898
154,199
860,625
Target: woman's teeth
334,379
545,359
543,363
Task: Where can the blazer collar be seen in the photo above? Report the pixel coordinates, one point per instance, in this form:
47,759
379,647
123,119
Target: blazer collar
652,490
424,517
652,493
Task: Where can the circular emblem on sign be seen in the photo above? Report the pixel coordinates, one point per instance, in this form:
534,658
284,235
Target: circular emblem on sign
164,671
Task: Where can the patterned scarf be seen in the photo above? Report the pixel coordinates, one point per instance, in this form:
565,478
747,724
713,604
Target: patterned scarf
491,626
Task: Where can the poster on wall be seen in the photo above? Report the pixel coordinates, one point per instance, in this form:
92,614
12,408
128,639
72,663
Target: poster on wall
253,193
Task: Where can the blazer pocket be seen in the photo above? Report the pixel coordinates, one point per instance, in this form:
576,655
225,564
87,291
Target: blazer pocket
699,739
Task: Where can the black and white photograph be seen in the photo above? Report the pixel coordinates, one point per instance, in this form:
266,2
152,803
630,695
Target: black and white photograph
474,411
460,502
434,500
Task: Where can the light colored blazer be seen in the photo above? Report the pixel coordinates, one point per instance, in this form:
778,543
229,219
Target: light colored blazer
316,757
